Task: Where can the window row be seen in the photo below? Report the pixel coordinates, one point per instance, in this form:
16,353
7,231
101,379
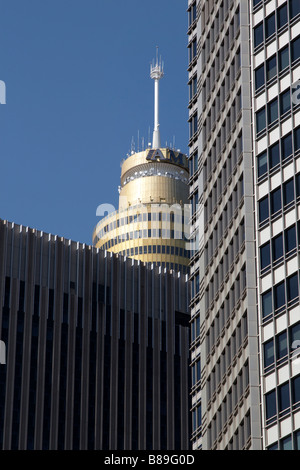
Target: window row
279,199
213,35
240,437
193,87
196,372
192,13
229,405
274,22
196,418
151,249
225,86
192,51
270,159
274,110
195,327
283,346
279,401
213,200
232,347
280,296
220,14
193,125
234,245
290,442
277,63
221,276
229,120
229,165
193,164
283,245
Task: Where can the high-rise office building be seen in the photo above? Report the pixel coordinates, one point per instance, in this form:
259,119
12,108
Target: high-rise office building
96,346
151,223
244,157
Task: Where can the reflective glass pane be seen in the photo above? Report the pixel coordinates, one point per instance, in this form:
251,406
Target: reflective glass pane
277,247
292,287
265,258
272,111
283,397
270,405
288,192
285,102
295,51
290,239
267,303
281,345
259,76
286,443
296,389
294,8
263,209
258,35
274,156
275,201
283,55
282,16
260,120
262,164
271,67
286,146
270,25
279,295
269,353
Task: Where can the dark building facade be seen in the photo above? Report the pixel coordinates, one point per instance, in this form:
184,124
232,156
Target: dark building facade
97,348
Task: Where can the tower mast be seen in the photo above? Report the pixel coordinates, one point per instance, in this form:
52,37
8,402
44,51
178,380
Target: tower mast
156,73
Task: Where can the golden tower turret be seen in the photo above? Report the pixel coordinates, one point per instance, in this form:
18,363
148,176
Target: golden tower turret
152,222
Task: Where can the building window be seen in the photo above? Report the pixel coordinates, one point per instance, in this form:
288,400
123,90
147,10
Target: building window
292,287
279,296
295,49
277,248
262,164
286,443
271,67
259,77
260,120
281,346
272,111
267,307
286,146
283,58
263,209
275,201
294,8
290,239
274,155
265,258
283,397
296,394
270,25
271,409
288,192
269,353
285,102
282,16
258,34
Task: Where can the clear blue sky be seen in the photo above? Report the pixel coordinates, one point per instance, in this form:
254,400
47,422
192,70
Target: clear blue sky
78,90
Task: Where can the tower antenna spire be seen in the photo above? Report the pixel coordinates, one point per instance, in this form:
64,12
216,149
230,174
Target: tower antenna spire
156,73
